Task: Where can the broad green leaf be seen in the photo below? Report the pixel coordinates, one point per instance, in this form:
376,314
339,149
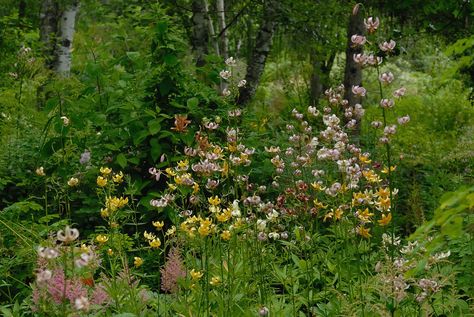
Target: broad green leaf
121,160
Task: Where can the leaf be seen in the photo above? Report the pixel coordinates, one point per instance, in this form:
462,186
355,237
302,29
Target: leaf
140,136
170,59
192,102
155,150
154,126
121,160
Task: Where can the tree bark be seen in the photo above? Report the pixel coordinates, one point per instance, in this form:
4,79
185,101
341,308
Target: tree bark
200,36
223,40
21,10
212,32
353,71
260,52
49,16
66,35
319,81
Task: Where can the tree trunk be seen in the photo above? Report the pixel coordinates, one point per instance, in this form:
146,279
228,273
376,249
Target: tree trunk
223,40
21,10
319,81
260,52
48,29
68,19
353,71
200,36
212,32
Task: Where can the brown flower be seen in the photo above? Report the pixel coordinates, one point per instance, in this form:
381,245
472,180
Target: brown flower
180,123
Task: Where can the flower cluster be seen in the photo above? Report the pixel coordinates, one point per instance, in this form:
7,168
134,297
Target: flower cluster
57,284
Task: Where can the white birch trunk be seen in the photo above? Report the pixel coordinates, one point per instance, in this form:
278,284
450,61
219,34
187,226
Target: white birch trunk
66,35
224,40
212,33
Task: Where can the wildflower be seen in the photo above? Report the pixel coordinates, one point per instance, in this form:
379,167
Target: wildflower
73,182
171,231
40,171
155,243
360,58
236,112
66,120
81,303
358,40
242,83
110,252
403,120
385,169
224,216
387,103
118,178
84,259
158,225
149,236
101,238
338,214
386,78
376,124
196,275
383,204
68,235
204,230
43,276
101,182
441,255
225,235
231,62
359,91
262,236
225,74
214,201
385,219
180,123
215,281
104,212
172,271
373,60
274,235
364,232
137,261
399,92
263,311
85,248
85,157
47,253
105,171
371,24
387,46
226,92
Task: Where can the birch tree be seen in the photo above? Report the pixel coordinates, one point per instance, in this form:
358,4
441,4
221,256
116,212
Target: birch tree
65,38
